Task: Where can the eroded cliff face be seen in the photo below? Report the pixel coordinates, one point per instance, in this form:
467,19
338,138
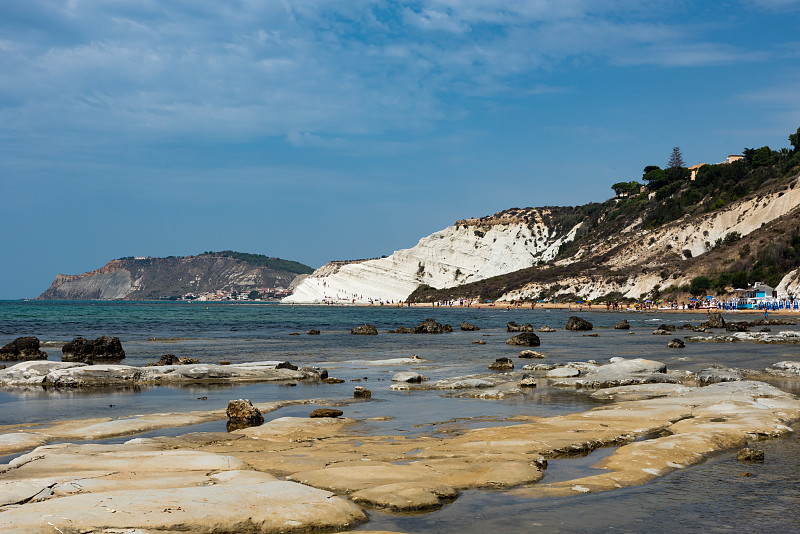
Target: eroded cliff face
631,262
471,250
651,258
154,278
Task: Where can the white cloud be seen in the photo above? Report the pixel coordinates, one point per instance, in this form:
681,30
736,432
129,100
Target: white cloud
338,69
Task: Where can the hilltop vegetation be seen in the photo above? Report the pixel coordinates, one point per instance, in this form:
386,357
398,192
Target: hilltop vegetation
260,260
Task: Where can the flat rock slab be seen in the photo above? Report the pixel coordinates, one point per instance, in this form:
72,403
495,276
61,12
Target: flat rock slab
73,374
138,486
106,427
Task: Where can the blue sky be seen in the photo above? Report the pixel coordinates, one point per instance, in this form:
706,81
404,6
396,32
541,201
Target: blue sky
319,130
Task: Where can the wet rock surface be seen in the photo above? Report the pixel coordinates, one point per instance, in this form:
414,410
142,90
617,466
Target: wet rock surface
547,329
22,348
511,326
468,327
622,325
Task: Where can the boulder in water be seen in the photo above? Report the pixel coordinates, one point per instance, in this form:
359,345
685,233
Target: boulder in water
577,324
90,350
22,348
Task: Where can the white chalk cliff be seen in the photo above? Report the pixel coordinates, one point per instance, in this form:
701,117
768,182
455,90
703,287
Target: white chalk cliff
471,250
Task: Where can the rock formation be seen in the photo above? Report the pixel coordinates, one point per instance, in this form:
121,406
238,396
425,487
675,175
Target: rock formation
88,351
22,348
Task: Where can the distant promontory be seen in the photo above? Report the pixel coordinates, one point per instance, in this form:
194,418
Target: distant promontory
146,278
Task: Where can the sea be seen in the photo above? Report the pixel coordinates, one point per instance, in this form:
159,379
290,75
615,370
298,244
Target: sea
719,495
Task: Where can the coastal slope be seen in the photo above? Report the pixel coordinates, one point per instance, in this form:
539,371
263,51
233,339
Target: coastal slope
155,278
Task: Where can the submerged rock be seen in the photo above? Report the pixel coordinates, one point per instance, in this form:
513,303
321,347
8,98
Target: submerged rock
171,359
575,323
502,364
676,343
91,350
402,330
525,339
409,377
22,348
741,326
365,330
326,412
314,332
750,455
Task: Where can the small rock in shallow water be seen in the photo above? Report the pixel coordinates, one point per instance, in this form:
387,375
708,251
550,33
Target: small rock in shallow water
676,344
531,354
578,324
528,382
479,342
501,364
408,377
241,414
314,332
365,330
361,393
326,412
750,455
525,339
547,328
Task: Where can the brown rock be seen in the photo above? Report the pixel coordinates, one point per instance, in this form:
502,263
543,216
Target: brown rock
361,393
326,412
750,455
22,348
365,330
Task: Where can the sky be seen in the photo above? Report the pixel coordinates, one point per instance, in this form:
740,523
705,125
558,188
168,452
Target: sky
326,130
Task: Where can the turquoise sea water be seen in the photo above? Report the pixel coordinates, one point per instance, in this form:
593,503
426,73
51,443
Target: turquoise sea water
255,332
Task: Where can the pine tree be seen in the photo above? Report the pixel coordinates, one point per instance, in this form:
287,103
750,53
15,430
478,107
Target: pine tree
675,165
